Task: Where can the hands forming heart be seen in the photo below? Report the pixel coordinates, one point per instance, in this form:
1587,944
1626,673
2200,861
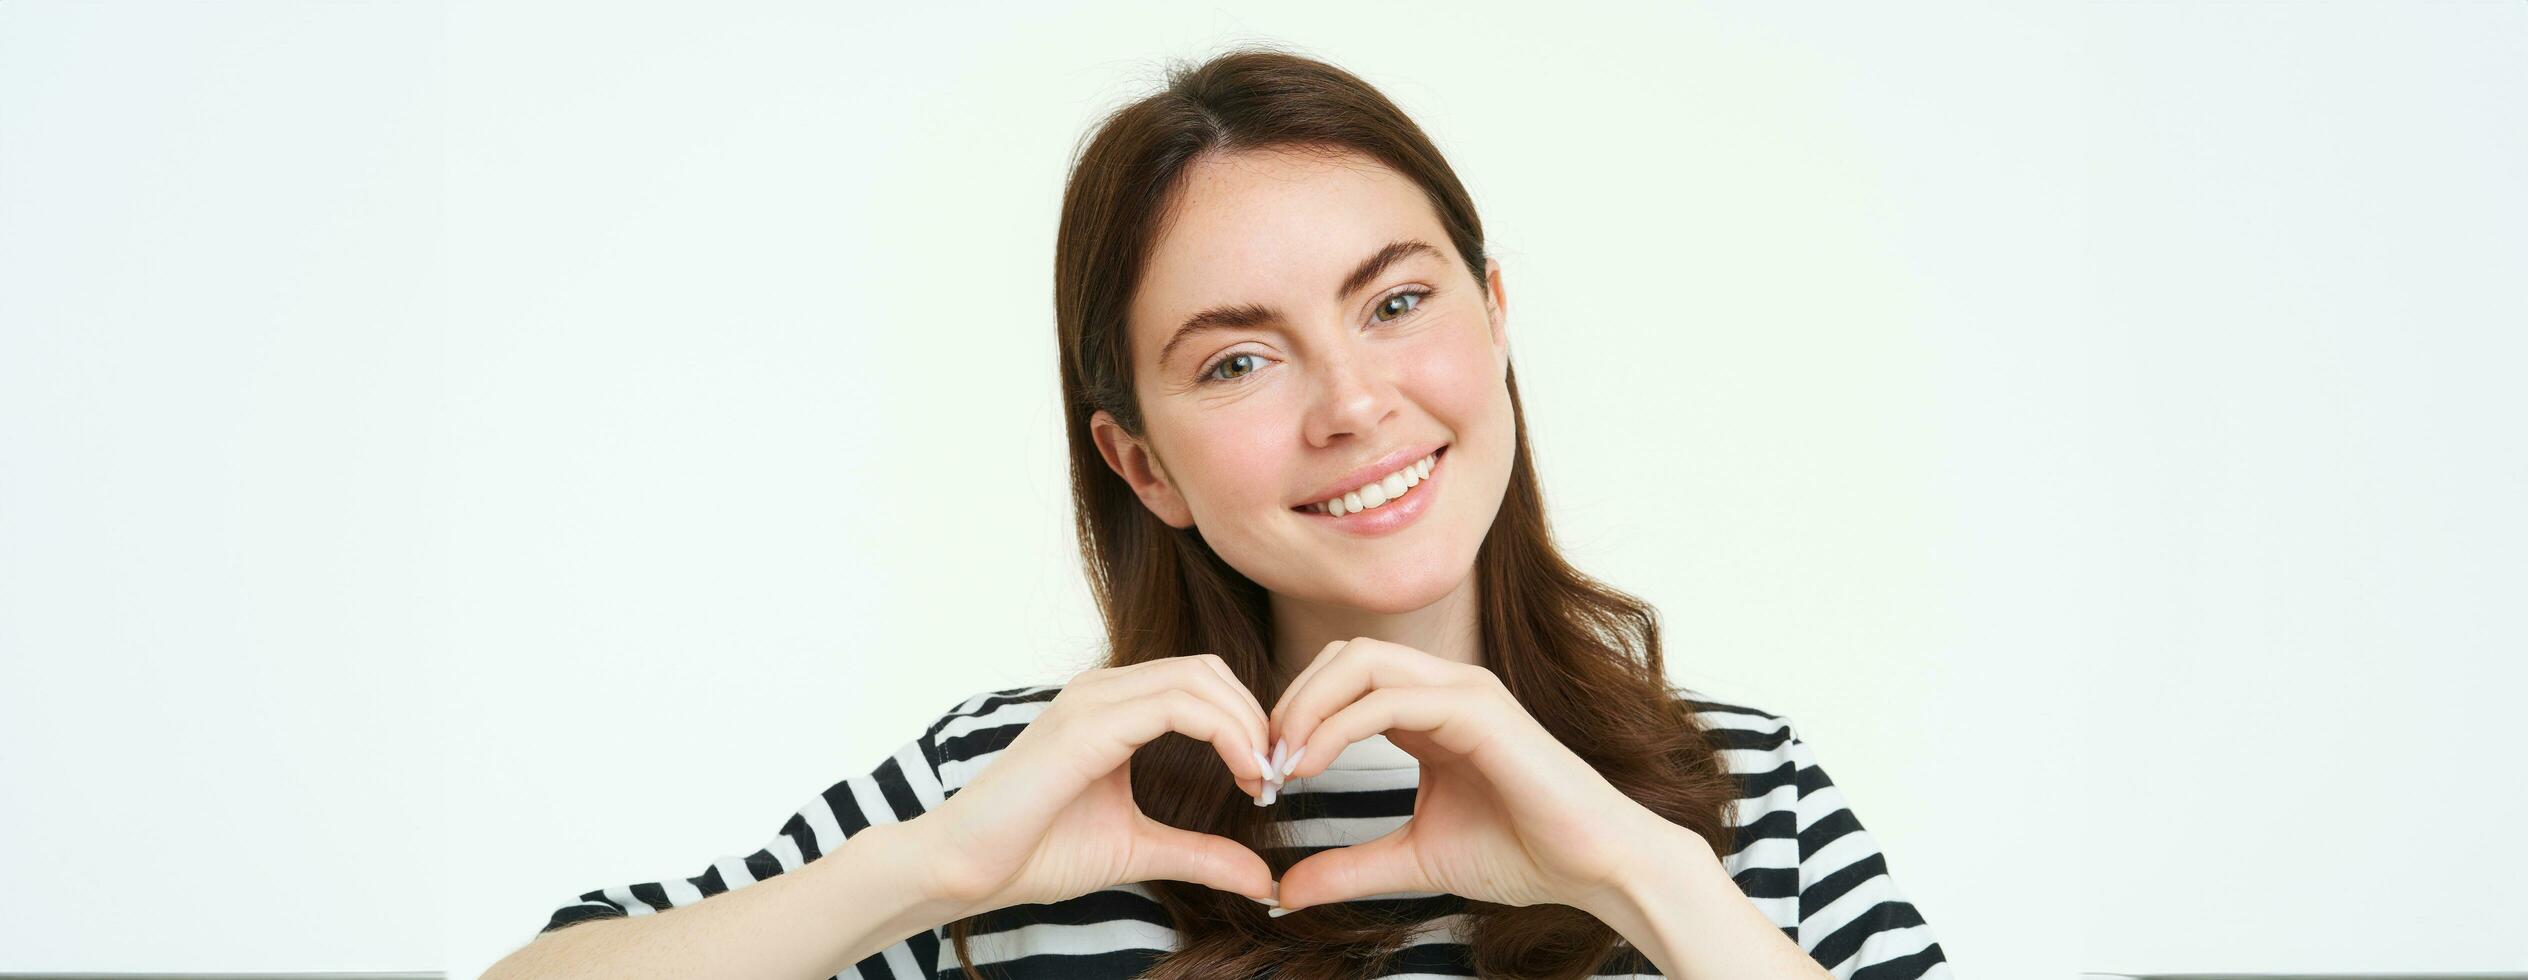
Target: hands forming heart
1505,813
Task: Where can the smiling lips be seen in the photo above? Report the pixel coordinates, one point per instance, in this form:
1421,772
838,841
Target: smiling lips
1376,493
1375,471
1418,483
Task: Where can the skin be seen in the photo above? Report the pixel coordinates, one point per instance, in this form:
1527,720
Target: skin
1333,385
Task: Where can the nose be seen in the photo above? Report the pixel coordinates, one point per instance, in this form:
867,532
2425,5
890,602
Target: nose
1355,395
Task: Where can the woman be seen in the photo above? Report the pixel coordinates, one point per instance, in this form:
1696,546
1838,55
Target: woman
1308,514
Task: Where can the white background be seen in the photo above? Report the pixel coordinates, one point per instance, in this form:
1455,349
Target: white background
456,457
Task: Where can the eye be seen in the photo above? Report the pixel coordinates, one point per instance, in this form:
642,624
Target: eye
1400,304
1209,373
1410,299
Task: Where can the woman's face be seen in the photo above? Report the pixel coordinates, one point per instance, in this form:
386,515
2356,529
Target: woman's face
1328,360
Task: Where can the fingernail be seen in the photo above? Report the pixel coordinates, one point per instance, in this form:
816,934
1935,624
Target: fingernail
1292,765
1265,765
1274,902
1281,750
1271,791
1279,912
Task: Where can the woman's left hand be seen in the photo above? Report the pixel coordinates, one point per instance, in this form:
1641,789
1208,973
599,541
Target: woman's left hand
1505,812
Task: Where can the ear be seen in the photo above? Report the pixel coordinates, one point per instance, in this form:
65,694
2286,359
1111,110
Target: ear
1497,305
1134,461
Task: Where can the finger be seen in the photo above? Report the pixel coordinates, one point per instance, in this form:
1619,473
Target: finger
1360,668
1113,683
1379,866
1324,654
1206,676
1220,665
1212,678
1202,673
1262,726
1137,722
1177,854
1095,687
1449,716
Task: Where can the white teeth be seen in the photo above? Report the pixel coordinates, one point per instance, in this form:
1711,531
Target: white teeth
1379,492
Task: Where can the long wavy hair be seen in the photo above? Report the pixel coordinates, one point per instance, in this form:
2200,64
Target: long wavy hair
1582,657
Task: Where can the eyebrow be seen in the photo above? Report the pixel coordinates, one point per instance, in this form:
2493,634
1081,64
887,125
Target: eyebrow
1250,314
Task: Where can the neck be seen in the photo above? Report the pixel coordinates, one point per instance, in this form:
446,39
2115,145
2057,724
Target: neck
1450,629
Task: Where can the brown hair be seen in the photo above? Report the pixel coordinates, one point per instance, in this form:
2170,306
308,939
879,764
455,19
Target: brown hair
1582,657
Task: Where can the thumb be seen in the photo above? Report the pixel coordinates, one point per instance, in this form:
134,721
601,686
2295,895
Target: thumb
1177,854
1378,866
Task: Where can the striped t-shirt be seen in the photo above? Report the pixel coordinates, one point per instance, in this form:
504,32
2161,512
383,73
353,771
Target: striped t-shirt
1800,855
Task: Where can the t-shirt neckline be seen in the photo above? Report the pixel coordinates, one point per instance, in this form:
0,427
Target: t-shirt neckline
1374,752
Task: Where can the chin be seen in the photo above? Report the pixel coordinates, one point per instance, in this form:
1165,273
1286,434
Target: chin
1394,598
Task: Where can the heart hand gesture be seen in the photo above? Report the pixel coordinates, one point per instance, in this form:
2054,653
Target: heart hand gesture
1505,812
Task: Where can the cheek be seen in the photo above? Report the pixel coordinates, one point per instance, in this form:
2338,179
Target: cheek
1222,463
1454,375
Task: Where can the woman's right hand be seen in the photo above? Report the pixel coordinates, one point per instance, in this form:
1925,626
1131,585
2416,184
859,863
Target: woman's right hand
1052,816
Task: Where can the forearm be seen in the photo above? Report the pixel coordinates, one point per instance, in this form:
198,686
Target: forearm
1692,921
864,896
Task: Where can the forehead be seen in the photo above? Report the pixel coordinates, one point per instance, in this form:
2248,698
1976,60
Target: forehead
1277,228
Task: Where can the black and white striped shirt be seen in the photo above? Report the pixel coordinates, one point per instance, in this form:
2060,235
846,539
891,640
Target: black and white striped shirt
1800,856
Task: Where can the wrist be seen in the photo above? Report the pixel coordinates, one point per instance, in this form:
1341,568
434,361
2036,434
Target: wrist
908,857
1678,906
946,878
863,895
1652,875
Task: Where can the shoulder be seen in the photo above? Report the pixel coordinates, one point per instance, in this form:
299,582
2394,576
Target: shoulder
1737,726
967,735
1761,748
1805,859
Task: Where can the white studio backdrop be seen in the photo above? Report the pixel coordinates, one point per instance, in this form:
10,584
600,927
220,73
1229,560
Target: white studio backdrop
453,457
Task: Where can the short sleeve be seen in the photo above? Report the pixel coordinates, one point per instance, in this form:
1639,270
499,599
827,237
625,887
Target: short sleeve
900,787
1852,918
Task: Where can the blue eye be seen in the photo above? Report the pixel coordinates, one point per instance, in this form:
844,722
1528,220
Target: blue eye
1411,298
